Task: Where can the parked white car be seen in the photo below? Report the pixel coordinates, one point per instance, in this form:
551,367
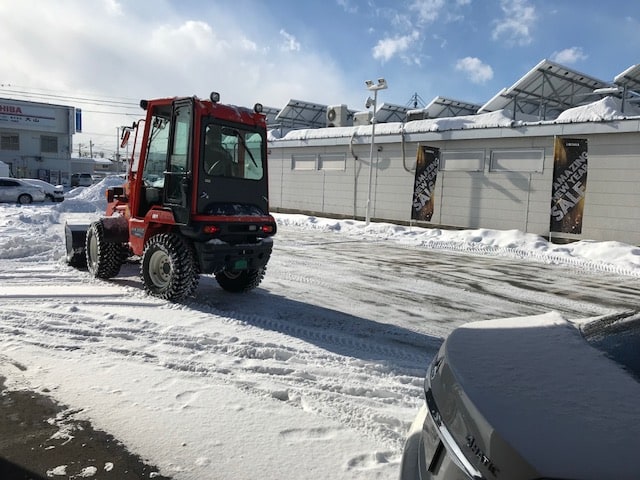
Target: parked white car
18,190
53,193
81,180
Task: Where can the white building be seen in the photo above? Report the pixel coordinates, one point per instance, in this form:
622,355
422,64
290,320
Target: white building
557,154
36,139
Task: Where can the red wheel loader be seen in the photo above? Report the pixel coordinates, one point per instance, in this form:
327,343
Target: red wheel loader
195,201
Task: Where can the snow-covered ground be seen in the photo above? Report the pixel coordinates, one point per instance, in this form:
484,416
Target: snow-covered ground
316,374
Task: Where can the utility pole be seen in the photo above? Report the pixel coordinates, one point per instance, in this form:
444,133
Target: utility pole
118,147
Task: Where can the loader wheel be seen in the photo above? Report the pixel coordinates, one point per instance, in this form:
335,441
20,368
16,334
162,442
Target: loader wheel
104,259
240,280
168,268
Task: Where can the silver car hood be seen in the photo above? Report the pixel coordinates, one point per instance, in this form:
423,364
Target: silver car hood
530,398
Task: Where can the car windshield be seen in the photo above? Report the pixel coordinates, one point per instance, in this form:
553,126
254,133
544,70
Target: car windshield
619,338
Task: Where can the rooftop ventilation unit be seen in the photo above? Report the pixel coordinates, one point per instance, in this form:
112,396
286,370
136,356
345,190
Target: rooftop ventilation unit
338,116
362,118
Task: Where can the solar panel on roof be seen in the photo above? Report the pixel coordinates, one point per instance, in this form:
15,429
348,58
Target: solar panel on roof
442,107
388,112
545,91
270,113
630,78
299,114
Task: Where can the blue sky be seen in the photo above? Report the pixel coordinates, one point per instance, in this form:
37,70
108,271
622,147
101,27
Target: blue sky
93,53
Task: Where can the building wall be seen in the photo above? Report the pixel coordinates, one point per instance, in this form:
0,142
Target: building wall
30,122
484,198
612,210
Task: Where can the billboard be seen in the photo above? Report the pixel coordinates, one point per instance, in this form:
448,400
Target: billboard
26,116
427,162
569,184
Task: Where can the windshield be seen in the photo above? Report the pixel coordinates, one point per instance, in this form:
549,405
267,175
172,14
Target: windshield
619,338
231,151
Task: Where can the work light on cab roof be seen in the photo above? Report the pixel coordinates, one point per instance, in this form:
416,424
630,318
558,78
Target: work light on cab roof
215,98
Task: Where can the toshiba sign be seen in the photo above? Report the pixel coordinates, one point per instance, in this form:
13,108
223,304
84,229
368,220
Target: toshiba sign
10,109
27,116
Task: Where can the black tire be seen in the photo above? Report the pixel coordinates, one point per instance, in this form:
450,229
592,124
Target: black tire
240,281
25,199
168,268
104,259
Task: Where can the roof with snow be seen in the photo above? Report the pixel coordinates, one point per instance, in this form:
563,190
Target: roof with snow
549,93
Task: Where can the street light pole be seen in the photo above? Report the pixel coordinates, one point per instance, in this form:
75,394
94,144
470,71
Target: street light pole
381,85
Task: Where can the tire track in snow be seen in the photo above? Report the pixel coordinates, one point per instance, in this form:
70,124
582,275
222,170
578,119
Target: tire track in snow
284,366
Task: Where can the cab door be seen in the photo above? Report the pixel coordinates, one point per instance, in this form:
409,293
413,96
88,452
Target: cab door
179,172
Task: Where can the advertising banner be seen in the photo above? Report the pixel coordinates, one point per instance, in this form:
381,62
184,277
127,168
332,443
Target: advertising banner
569,184
427,161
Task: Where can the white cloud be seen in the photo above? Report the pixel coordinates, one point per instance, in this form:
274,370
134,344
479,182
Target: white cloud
569,56
515,27
428,10
187,37
290,43
113,7
348,6
156,52
475,69
387,48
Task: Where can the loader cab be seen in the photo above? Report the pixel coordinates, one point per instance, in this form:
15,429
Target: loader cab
233,171
202,158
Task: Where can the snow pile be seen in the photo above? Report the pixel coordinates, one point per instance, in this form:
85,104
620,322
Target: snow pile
607,109
89,199
501,118
614,257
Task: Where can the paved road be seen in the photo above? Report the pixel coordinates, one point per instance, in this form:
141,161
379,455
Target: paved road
37,433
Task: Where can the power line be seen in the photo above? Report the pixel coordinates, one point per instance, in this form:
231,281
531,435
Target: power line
124,108
47,93
105,105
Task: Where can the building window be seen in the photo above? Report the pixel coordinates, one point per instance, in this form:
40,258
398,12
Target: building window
333,161
48,144
9,142
303,162
462,161
517,160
